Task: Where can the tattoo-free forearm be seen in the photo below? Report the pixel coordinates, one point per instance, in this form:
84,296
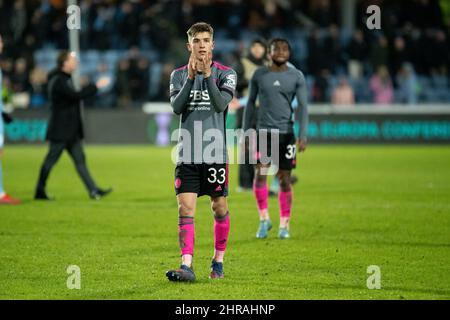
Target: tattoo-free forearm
219,99
179,101
302,116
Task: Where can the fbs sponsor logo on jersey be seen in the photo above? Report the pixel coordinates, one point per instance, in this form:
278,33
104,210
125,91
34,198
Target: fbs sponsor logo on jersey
276,83
199,100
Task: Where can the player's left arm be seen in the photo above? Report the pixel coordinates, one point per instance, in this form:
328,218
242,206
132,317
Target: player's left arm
302,116
221,93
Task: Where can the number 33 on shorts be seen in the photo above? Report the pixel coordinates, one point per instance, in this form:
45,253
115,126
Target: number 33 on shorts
217,175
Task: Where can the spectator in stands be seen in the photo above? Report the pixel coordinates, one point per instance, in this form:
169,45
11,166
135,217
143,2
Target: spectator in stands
415,30
20,77
332,47
322,13
163,93
103,27
38,96
321,89
381,86
255,58
343,93
127,20
407,85
356,52
400,54
105,97
122,85
441,54
379,53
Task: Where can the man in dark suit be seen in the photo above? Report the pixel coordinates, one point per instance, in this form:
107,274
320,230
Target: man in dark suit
65,129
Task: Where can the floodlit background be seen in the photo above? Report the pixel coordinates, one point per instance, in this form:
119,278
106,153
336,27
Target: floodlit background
373,184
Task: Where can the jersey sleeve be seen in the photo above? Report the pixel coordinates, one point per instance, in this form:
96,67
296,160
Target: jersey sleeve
179,91
302,116
228,82
175,83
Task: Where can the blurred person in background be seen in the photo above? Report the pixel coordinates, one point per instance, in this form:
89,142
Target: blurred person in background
105,97
163,93
343,93
356,53
138,76
38,80
65,129
407,85
255,58
4,197
379,52
122,85
321,88
381,86
400,55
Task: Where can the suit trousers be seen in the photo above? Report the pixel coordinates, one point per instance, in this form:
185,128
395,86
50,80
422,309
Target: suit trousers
76,152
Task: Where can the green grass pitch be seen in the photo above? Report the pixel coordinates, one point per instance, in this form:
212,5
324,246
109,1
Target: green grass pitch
354,206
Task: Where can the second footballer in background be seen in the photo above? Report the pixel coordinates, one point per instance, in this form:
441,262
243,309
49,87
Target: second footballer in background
276,86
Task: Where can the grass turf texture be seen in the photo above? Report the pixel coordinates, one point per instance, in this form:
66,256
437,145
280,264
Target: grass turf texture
354,206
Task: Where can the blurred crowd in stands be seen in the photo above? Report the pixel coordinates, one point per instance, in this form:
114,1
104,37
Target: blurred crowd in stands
138,43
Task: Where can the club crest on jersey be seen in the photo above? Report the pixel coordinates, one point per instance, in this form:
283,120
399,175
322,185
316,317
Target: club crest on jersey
230,81
177,183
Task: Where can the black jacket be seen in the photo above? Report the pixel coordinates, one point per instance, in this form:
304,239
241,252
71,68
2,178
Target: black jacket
65,120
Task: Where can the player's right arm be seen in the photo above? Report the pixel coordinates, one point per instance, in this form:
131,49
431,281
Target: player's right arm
181,90
249,111
64,88
302,116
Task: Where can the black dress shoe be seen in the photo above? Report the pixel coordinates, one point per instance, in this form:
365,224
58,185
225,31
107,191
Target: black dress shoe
294,179
42,195
100,193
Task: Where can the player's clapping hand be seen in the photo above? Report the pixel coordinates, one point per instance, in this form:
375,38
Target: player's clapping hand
301,145
206,65
103,82
192,67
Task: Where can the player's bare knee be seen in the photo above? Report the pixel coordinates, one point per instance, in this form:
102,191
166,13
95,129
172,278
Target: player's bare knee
219,208
185,210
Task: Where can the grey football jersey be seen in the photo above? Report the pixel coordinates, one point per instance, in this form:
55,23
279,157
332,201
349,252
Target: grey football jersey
202,105
275,92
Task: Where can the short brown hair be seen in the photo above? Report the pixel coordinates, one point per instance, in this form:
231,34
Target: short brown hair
199,27
62,57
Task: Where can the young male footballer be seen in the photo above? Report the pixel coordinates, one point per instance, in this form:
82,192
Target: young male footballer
276,86
200,92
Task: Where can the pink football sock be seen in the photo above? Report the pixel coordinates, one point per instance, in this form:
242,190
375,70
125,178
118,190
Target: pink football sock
186,233
221,231
262,194
285,201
